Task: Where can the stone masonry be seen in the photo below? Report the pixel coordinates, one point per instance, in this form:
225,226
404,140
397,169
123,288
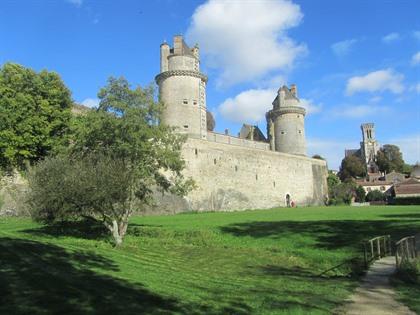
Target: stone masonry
232,173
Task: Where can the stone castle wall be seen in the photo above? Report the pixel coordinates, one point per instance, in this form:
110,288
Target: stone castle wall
237,177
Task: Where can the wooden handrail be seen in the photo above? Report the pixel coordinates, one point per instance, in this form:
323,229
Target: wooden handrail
405,249
383,248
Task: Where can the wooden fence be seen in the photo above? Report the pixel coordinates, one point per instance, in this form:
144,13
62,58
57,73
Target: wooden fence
405,250
376,248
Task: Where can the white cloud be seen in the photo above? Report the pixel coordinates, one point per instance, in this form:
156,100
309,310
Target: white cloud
246,39
332,150
91,102
77,3
415,88
391,37
409,146
415,60
343,48
249,106
375,99
359,111
381,80
310,106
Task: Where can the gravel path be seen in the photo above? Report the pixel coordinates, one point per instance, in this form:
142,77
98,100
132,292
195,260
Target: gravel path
375,295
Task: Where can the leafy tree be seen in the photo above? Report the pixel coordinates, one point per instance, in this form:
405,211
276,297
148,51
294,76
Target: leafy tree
375,195
352,167
34,114
389,158
211,123
360,194
120,153
318,157
342,193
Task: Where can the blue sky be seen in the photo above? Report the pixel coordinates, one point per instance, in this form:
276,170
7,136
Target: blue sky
353,61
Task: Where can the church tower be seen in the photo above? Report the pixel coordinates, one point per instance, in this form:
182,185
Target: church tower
369,146
286,122
182,88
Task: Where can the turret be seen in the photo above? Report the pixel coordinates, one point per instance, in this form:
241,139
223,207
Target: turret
286,122
182,88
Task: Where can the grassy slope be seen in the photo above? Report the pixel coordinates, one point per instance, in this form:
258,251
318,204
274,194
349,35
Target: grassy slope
252,262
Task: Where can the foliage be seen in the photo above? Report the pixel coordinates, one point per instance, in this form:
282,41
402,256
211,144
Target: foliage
211,123
318,157
407,201
352,167
389,158
360,194
375,195
262,262
407,169
407,284
119,154
342,193
34,114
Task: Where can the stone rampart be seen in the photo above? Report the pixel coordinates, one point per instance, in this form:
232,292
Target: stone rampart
237,177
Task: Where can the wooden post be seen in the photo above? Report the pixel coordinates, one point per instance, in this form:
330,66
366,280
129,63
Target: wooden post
379,247
371,248
365,255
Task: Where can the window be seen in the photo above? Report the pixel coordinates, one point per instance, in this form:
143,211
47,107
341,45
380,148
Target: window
186,126
274,184
214,161
283,132
196,151
236,168
256,176
185,102
300,131
195,102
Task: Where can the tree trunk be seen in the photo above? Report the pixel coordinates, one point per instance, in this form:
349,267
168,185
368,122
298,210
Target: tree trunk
117,234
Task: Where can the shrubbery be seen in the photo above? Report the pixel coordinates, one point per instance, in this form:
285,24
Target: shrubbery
375,195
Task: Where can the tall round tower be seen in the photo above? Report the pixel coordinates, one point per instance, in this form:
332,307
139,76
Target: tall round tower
287,121
182,88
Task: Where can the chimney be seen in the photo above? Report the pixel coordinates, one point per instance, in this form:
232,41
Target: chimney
178,49
293,89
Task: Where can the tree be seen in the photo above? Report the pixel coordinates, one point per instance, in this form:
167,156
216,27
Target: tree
389,158
120,153
34,114
375,195
360,194
318,157
352,167
211,123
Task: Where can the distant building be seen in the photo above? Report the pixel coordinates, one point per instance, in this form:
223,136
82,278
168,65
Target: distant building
369,148
252,133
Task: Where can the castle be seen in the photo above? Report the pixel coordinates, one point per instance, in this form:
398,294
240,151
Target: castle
234,173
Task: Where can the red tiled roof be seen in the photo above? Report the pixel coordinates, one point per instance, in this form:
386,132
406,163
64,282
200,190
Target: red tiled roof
410,187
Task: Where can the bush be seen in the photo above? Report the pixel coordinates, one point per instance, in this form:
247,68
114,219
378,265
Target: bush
375,195
407,201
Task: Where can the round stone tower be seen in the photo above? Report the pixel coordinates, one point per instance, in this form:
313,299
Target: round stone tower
286,122
182,88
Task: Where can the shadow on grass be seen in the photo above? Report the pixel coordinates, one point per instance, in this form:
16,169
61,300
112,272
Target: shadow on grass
85,229
39,278
328,234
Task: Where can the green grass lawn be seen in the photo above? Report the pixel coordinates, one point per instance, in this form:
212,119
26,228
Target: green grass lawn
251,262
